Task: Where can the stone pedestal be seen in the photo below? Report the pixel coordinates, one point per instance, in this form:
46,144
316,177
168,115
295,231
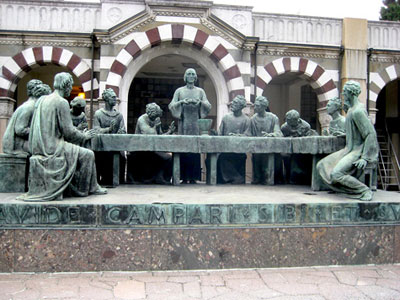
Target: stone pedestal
136,228
13,173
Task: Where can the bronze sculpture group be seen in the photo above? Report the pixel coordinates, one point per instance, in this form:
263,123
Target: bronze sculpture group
57,164
52,131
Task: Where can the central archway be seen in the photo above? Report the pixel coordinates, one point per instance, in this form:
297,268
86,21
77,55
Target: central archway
192,42
214,73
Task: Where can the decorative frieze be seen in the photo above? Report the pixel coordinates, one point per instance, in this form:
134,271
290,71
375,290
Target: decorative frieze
386,58
197,215
284,51
49,16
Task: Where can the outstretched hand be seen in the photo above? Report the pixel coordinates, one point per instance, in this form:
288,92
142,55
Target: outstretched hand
89,134
360,164
267,134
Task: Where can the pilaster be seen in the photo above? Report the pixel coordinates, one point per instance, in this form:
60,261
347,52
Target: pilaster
6,111
355,43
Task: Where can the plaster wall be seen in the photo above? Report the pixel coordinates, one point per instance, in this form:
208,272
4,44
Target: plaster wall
113,12
240,17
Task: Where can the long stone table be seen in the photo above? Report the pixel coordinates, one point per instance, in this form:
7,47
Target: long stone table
213,145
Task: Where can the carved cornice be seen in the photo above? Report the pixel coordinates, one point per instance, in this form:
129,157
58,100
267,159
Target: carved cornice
112,37
35,39
215,29
299,52
386,58
44,43
172,13
124,28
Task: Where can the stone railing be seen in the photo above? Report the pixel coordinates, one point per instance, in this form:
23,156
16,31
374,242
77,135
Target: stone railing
298,29
384,35
49,16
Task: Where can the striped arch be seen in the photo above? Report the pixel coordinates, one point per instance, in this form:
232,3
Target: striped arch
177,34
379,81
16,67
321,81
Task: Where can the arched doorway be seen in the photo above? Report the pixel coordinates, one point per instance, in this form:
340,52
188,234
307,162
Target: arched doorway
46,74
15,68
291,91
388,106
157,81
287,75
388,131
209,53
210,76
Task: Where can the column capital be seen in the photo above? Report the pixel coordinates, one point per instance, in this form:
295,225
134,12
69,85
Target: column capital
6,107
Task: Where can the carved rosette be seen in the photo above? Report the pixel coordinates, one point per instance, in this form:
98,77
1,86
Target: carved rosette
239,22
114,14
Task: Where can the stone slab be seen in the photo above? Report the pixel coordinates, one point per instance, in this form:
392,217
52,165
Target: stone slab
78,250
7,250
216,144
84,250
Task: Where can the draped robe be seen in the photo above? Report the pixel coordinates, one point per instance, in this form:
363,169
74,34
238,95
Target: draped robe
57,164
231,167
104,160
258,125
148,166
337,169
187,115
15,139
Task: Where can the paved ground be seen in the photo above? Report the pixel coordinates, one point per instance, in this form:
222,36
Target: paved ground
345,282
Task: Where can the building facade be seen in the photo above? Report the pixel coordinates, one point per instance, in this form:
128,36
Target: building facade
141,48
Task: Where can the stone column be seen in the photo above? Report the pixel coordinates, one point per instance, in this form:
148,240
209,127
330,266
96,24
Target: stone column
324,118
355,43
6,110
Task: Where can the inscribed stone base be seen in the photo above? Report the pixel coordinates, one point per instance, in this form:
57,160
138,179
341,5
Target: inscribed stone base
157,227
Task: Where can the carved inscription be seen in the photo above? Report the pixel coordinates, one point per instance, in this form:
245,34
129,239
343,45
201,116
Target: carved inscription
198,215
46,215
396,211
179,215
